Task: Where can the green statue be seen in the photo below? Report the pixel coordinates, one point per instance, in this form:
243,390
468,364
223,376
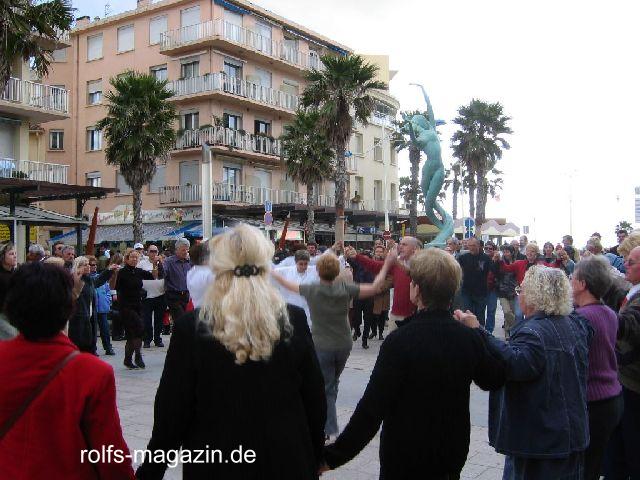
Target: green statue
422,131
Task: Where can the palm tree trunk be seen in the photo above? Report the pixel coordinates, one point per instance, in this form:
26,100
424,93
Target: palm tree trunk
472,199
311,203
454,207
414,159
137,215
341,183
481,198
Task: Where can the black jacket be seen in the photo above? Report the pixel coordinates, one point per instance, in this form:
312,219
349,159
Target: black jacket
475,269
419,391
275,408
81,332
129,285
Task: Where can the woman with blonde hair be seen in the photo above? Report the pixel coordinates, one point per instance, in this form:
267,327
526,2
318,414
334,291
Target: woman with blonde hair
539,418
240,372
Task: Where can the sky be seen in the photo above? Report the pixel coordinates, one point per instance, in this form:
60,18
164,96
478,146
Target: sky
565,71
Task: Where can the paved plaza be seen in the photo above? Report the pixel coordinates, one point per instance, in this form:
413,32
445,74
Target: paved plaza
136,392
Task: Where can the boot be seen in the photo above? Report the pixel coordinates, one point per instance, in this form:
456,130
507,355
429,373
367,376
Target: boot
137,344
128,353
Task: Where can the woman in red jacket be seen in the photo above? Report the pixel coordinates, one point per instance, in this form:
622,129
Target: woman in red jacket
56,404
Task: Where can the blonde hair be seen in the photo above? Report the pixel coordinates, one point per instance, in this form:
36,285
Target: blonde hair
532,246
328,267
55,260
245,314
628,244
437,274
547,290
78,262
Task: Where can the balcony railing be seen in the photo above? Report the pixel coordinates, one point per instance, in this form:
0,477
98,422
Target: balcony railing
220,82
228,137
377,205
36,95
29,170
244,37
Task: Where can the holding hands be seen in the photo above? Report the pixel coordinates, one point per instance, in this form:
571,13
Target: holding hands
466,318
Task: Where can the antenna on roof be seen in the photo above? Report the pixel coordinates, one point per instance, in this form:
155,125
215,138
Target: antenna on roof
107,9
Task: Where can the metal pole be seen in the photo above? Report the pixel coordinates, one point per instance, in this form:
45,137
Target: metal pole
207,192
79,205
384,188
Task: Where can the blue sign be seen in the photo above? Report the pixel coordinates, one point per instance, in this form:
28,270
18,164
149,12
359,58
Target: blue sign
268,207
366,230
268,218
469,223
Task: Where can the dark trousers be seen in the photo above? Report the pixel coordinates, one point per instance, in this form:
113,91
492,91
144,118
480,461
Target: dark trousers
363,309
476,304
377,327
604,416
152,313
117,329
622,458
103,326
177,303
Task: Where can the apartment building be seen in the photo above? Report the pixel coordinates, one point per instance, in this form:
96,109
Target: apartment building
236,71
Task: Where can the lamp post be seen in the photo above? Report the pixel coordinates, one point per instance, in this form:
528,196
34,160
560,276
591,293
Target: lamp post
384,186
207,191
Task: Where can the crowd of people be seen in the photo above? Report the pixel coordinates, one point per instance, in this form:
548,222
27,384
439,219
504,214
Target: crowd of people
259,340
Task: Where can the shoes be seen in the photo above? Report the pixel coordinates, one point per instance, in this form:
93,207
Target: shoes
129,364
373,335
139,361
365,346
356,335
109,352
118,339
381,337
147,345
159,344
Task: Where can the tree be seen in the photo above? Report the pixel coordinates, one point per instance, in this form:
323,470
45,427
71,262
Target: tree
139,130
478,144
29,31
455,178
406,192
342,88
400,141
624,225
308,158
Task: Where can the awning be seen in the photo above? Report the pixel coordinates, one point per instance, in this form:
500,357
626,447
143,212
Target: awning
38,216
231,7
152,232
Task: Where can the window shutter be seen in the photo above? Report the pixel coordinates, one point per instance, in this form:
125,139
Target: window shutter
157,26
125,38
190,16
94,47
94,86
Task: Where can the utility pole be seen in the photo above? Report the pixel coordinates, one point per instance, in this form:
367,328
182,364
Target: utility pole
207,191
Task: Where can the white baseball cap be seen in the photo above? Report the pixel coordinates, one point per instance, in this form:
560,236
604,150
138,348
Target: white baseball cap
137,246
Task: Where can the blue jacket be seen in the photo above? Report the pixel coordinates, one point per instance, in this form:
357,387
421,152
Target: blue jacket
103,297
541,412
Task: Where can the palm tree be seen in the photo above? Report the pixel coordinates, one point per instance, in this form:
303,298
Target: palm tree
478,144
400,141
342,88
308,158
138,129
455,178
29,31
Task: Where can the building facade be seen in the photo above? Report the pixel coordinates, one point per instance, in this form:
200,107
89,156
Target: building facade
236,72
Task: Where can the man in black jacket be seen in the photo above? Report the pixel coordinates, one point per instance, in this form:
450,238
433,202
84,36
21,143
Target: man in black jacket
476,266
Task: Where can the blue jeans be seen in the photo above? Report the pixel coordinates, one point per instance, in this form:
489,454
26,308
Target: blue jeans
518,311
332,364
103,326
152,313
492,306
475,304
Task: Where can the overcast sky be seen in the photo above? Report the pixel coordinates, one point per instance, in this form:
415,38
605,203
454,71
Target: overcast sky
565,71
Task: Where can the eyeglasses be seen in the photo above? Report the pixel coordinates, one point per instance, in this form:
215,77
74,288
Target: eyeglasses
153,251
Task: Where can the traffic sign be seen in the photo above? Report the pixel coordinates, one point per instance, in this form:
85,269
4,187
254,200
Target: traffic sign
268,218
469,223
268,207
386,235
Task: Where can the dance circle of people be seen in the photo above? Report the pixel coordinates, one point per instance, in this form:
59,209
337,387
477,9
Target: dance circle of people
259,340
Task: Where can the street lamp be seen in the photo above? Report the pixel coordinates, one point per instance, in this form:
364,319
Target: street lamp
207,191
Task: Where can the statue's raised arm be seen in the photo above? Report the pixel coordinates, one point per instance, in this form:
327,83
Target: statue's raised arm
430,115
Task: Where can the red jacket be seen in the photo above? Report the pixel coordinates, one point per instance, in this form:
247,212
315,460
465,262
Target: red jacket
76,411
519,267
402,305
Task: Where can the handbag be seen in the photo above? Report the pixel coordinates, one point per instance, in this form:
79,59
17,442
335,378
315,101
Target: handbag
4,429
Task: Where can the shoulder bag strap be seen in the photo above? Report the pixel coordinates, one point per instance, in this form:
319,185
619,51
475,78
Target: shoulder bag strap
20,411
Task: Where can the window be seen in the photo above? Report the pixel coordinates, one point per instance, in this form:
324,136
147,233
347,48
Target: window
377,150
393,191
314,59
233,26
160,72
56,140
232,121
290,50
233,69
94,92
188,18
262,128
157,26
263,42
190,69
93,179
125,39
94,139
358,144
121,184
60,55
263,77
191,120
392,155
289,86
189,173
94,47
159,178
231,176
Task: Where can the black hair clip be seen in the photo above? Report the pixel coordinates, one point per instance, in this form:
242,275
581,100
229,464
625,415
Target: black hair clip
246,270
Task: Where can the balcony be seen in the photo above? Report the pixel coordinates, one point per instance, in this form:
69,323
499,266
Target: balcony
29,170
238,40
35,101
226,139
377,206
235,90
